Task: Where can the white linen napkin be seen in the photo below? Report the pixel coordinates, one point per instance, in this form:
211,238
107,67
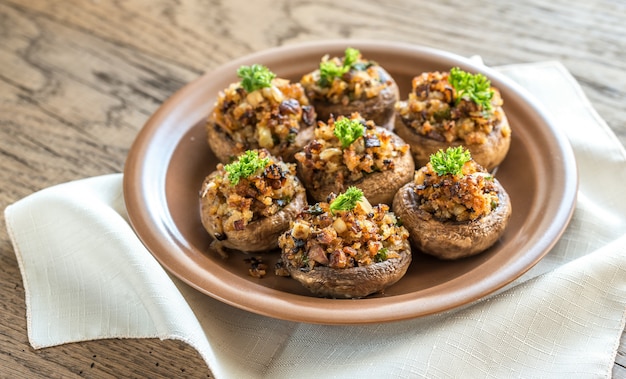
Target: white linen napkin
87,276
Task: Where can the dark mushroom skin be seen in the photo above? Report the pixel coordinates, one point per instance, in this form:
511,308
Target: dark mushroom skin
379,108
355,282
260,235
488,154
450,240
378,187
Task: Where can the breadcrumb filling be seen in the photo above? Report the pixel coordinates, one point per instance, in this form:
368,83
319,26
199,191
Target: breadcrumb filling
326,161
364,80
463,197
267,118
359,237
433,110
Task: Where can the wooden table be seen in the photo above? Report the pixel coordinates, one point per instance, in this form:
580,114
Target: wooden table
79,78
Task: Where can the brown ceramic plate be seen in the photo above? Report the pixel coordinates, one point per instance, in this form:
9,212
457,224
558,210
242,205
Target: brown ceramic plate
170,158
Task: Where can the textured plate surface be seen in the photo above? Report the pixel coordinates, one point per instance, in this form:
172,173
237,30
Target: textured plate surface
170,158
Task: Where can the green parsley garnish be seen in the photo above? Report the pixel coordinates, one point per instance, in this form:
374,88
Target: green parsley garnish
255,77
381,255
351,55
450,161
329,70
476,88
348,130
347,200
247,164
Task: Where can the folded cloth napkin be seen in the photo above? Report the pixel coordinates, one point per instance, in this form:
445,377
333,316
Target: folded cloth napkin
87,276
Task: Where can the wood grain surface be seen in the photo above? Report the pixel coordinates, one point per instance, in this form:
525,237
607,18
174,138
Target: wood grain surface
79,78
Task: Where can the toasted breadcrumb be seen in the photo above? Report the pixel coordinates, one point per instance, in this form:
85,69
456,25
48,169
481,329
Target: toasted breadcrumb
359,237
362,81
455,197
432,110
326,160
267,118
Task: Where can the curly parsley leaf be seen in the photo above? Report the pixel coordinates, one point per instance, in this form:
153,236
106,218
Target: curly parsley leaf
255,77
351,55
347,200
244,167
473,87
450,161
348,130
381,256
329,70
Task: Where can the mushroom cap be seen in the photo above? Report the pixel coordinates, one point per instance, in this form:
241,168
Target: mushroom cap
259,235
447,239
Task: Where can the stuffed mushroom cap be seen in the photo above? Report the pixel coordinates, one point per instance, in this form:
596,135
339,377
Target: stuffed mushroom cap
246,205
353,151
340,249
345,85
453,215
260,112
442,112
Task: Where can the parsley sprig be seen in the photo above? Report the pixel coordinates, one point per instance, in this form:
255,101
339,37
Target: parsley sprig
255,77
347,200
244,167
348,130
473,87
329,70
450,161
381,256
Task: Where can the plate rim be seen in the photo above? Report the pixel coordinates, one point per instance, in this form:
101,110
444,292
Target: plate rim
335,311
